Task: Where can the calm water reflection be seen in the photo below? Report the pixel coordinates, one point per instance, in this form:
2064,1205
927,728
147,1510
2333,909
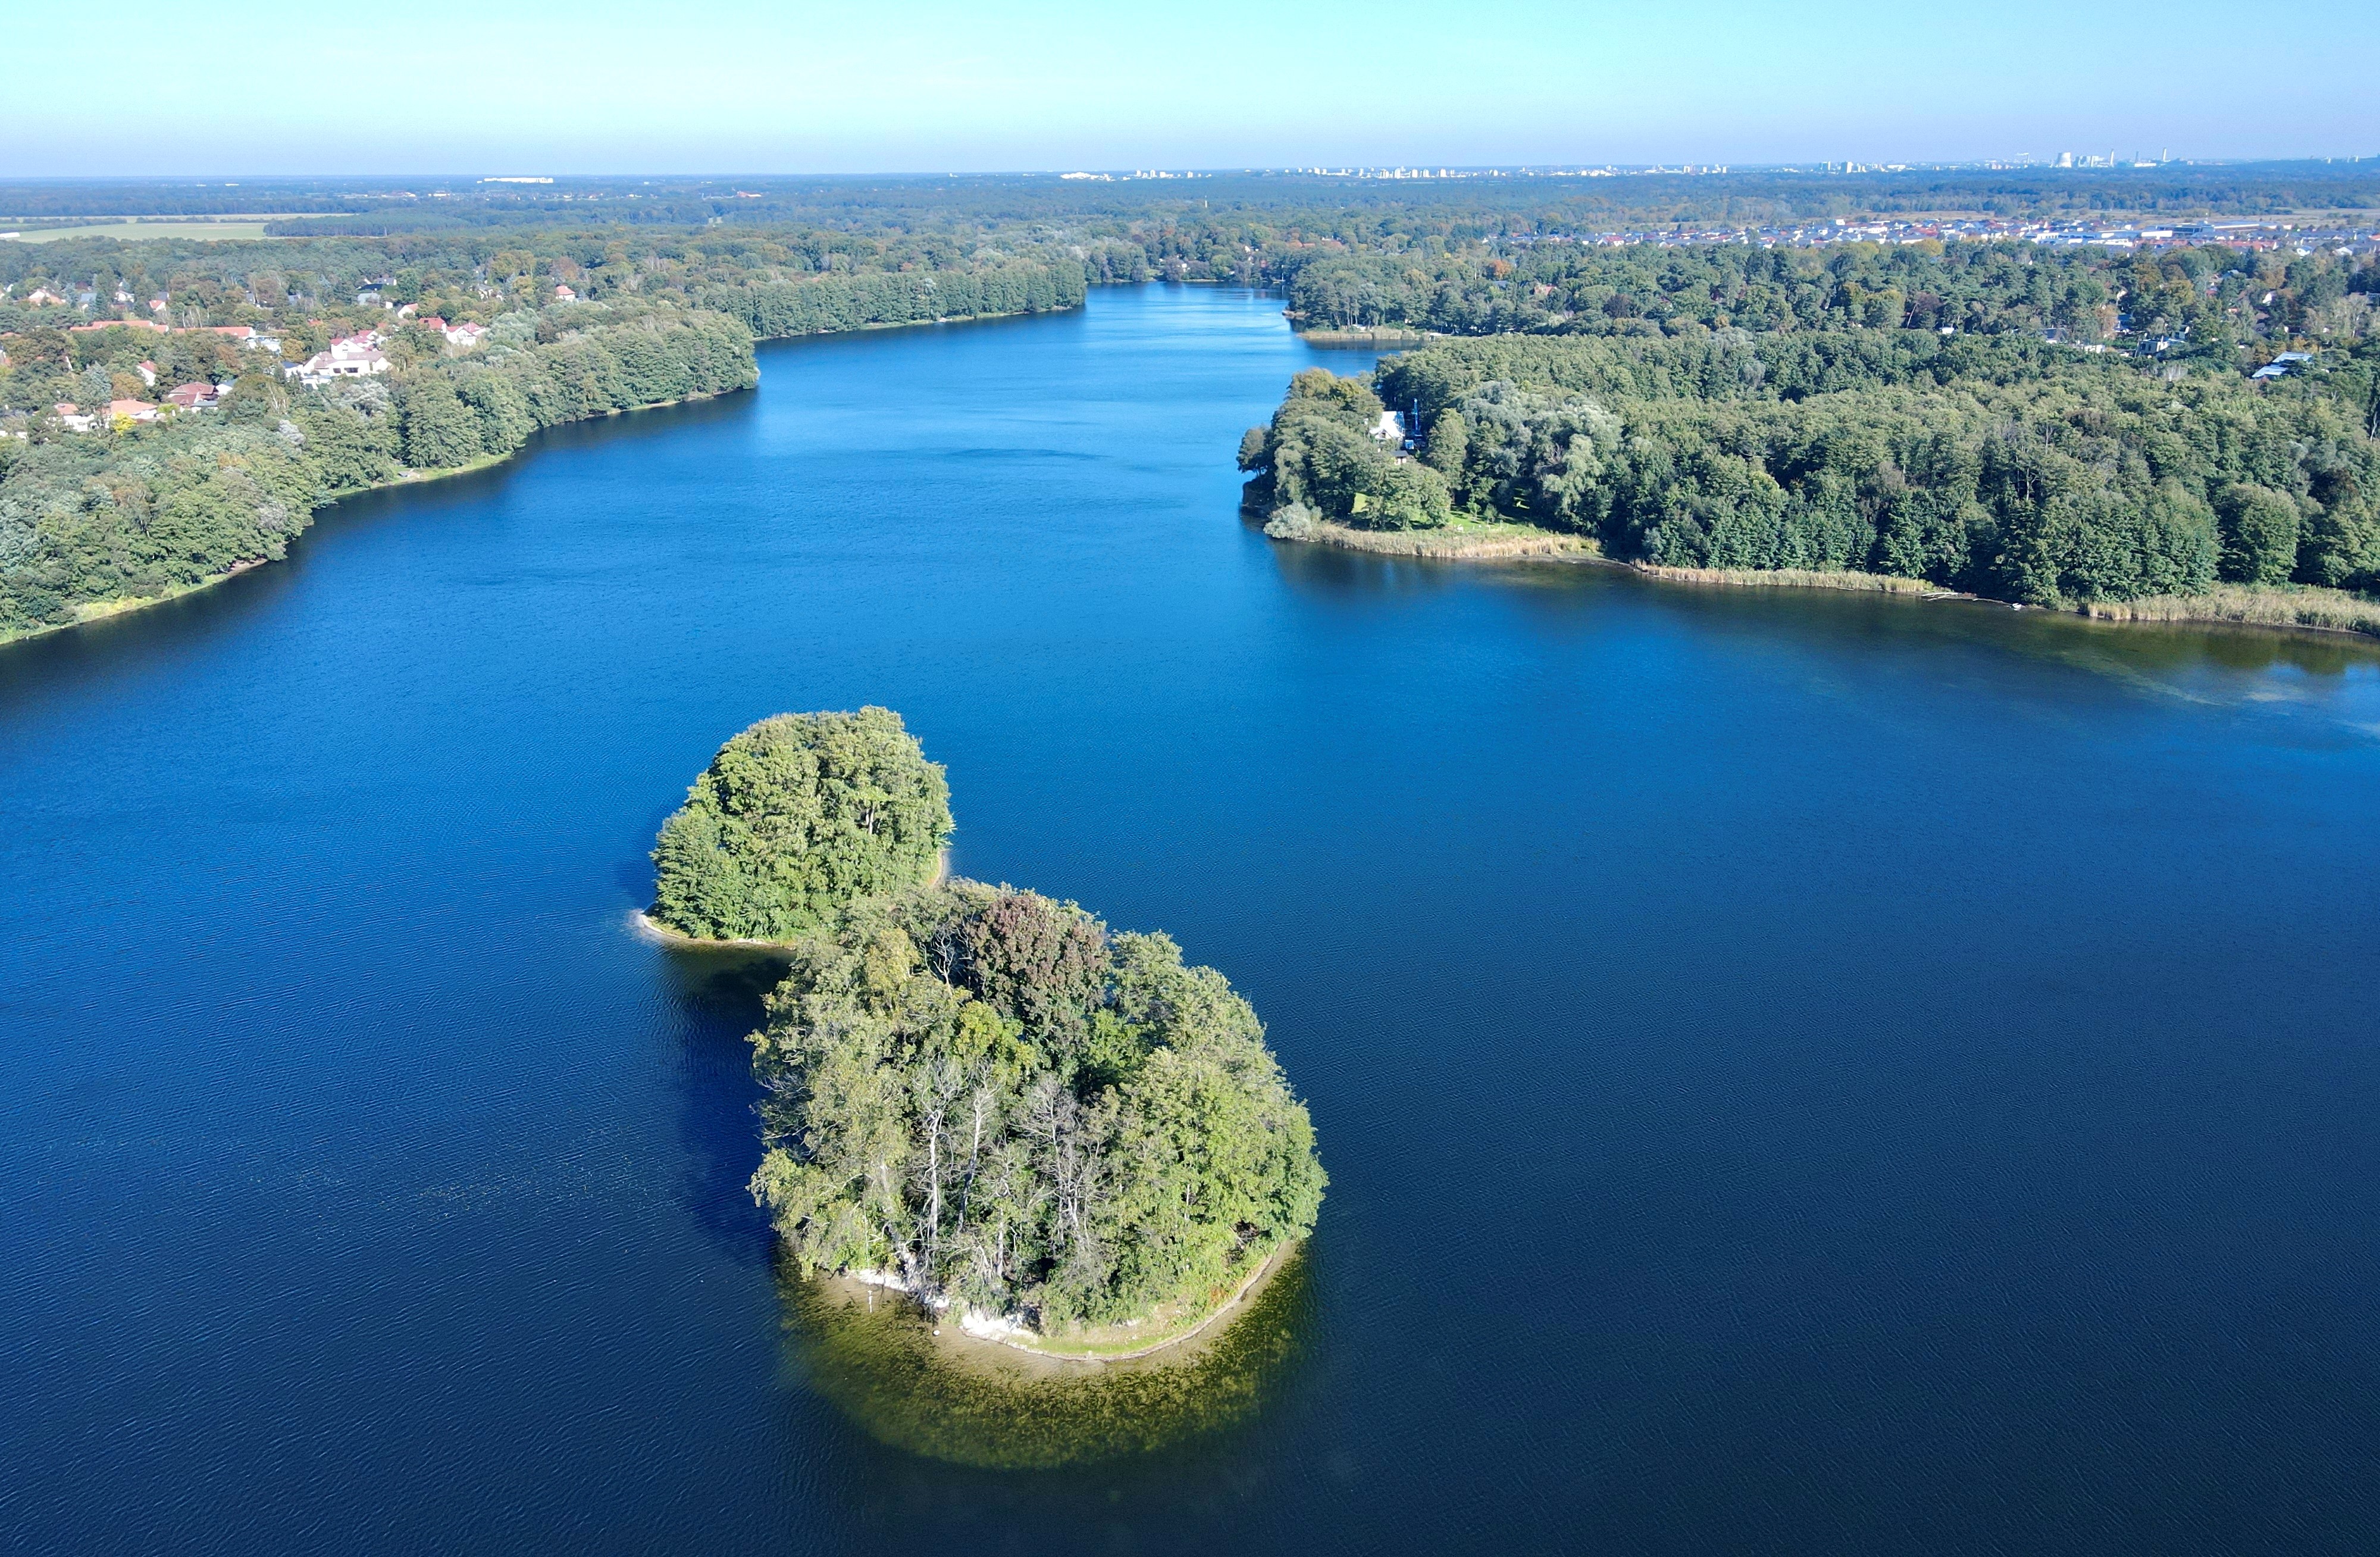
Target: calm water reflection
1799,1072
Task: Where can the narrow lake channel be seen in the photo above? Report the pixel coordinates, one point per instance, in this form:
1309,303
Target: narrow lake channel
1800,1073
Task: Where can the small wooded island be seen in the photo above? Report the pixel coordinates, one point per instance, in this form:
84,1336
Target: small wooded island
979,1096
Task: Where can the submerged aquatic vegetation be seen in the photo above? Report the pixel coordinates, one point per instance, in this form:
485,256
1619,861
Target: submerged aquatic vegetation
979,1403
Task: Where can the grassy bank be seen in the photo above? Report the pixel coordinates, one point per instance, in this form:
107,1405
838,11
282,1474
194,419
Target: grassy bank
1383,338
2255,606
2297,606
1464,541
1795,578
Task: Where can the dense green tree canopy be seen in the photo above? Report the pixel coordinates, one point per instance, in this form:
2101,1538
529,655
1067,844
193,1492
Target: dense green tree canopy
138,511
2001,464
979,1094
2203,301
990,1097
793,819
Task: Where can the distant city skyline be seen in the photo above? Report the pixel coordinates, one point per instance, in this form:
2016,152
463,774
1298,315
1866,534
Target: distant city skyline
1037,86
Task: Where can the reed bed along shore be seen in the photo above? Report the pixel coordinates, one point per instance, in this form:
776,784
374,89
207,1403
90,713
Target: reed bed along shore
2299,606
2261,605
1463,541
1797,579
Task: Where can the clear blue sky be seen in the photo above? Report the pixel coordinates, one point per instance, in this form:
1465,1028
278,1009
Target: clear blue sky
743,85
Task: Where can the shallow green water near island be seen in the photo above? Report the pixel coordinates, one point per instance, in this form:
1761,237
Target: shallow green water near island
1800,1074
977,1403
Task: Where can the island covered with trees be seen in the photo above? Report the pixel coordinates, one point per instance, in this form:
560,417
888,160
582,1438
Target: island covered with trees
1849,434
1063,1136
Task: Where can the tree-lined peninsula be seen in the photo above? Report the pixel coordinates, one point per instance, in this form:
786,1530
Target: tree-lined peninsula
1855,436
979,1095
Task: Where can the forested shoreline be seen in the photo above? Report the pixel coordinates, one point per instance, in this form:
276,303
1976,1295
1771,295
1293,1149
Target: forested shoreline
142,511
2199,300
1850,432
111,497
978,1095
1971,413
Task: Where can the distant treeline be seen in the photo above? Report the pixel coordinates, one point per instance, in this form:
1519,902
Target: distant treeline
2000,463
1450,208
822,304
138,511
1252,229
797,282
2203,300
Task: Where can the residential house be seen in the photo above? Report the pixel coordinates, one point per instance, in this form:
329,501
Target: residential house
1390,428
195,397
350,357
148,371
43,295
71,419
466,335
563,295
131,410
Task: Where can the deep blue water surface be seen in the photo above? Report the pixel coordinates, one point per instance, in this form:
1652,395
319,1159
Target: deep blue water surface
1800,1074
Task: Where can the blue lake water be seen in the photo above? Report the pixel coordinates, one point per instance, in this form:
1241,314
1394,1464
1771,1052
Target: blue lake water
1799,1072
